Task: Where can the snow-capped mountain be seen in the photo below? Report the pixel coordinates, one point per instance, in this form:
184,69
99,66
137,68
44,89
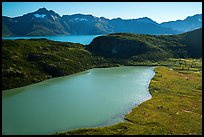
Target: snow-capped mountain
47,22
40,22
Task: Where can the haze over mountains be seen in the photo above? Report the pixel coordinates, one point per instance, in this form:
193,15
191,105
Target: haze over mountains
47,22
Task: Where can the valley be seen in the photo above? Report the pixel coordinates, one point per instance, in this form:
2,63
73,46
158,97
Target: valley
49,59
81,74
174,109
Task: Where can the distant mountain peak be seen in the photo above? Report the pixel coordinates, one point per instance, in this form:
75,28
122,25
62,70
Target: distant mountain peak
83,15
118,18
42,10
188,24
146,20
194,16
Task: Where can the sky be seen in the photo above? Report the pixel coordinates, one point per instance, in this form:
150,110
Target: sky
157,11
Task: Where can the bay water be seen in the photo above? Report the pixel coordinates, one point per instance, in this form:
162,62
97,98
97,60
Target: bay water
82,39
92,98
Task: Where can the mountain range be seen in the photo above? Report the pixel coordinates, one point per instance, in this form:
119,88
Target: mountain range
47,22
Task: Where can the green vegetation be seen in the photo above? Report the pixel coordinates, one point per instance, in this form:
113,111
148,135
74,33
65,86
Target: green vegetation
48,59
28,61
180,64
142,47
174,109
176,103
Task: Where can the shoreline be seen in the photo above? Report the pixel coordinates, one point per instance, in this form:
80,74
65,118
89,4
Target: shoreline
176,71
123,117
119,117
7,90
167,103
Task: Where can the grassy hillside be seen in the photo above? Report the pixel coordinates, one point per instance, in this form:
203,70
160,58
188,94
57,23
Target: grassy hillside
174,109
28,61
194,41
141,47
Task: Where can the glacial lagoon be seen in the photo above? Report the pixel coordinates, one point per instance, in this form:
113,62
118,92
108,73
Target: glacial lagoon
92,98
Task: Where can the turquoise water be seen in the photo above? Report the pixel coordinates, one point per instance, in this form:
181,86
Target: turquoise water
82,39
96,97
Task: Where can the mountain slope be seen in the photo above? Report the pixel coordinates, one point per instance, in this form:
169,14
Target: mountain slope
7,27
29,61
44,22
188,24
147,47
194,41
87,24
139,26
40,22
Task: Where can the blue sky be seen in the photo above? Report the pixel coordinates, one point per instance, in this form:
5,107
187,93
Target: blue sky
158,11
